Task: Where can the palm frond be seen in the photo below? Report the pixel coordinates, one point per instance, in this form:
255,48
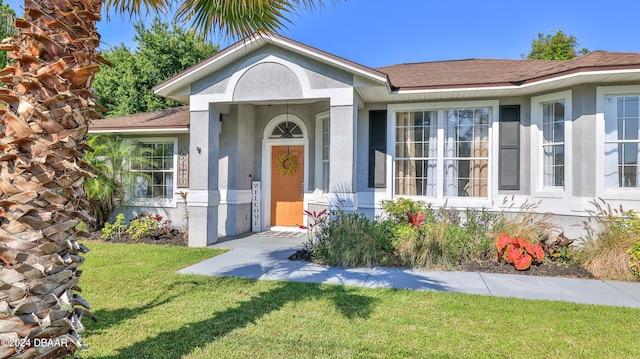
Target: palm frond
136,7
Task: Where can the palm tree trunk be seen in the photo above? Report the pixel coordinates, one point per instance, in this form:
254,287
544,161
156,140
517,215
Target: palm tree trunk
43,127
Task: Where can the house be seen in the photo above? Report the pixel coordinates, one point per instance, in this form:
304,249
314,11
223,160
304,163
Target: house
276,127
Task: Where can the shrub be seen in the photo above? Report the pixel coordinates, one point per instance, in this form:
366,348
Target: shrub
519,252
82,226
610,234
440,238
634,259
478,226
142,226
114,230
426,248
352,240
397,209
558,250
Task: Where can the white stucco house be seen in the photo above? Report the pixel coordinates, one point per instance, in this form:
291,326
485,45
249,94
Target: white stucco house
271,126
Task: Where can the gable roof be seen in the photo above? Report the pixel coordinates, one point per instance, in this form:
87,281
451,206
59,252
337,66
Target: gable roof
176,84
173,120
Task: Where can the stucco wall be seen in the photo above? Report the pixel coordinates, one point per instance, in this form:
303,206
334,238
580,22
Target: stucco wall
264,71
584,139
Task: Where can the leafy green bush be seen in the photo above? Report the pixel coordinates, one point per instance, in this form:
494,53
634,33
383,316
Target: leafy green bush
397,209
352,240
634,259
142,226
426,237
611,233
114,230
82,226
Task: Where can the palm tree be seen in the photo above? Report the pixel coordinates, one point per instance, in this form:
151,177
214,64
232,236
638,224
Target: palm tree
111,159
43,129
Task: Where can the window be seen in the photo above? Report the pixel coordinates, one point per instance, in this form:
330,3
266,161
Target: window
622,139
551,127
442,153
286,129
323,130
156,171
325,154
553,115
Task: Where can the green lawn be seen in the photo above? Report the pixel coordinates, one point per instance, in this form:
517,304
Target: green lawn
146,310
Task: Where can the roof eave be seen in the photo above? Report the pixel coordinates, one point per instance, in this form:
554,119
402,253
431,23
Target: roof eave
140,130
521,84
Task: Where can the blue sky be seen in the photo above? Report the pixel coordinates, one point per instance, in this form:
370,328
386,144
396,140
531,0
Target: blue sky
385,32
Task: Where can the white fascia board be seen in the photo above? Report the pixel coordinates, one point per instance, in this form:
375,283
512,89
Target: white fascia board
143,131
524,86
455,89
329,60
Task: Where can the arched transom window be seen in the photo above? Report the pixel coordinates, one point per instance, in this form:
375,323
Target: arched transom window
286,129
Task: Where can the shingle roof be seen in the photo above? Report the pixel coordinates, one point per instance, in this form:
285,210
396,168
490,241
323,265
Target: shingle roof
487,72
172,118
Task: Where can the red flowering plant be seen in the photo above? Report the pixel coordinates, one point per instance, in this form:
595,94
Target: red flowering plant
519,252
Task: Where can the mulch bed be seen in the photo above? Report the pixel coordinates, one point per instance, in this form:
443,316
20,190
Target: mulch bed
173,237
544,270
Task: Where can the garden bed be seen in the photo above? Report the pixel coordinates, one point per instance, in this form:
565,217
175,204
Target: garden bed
173,237
544,269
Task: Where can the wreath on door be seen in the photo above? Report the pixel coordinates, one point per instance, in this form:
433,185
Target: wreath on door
287,164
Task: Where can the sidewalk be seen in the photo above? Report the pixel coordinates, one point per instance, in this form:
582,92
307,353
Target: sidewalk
264,257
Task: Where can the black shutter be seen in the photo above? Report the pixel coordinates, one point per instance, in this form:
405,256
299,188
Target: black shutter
377,148
509,156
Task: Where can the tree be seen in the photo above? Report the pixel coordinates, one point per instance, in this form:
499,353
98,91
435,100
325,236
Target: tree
43,132
125,87
7,16
110,158
556,46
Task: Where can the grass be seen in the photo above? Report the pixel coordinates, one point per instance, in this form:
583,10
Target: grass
146,310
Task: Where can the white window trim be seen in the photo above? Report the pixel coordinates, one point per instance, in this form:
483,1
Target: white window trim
440,200
537,155
601,191
318,157
156,202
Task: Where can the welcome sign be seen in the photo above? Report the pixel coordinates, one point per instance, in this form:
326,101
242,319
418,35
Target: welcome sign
256,214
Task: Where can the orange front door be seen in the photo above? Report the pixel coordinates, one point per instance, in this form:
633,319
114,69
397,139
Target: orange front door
286,185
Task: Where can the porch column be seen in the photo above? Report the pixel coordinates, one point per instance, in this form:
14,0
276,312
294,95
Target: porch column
203,198
342,156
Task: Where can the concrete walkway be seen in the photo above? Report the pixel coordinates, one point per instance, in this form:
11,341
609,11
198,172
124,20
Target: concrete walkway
264,256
